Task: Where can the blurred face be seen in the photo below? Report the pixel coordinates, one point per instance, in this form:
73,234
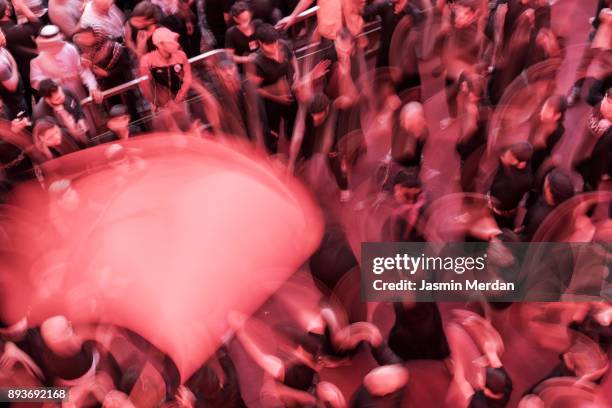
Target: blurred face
243,19
269,49
119,123
229,75
548,113
56,98
51,137
509,159
85,39
464,16
169,47
548,196
405,195
2,39
103,6
140,23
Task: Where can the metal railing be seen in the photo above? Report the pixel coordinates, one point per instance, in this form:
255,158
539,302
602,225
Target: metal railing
305,21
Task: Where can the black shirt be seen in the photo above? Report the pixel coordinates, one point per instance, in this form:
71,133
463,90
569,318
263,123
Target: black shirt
241,43
270,70
510,185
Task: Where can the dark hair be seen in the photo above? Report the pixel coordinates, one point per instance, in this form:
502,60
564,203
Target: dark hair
47,87
3,7
147,10
267,34
499,382
319,103
41,126
239,7
407,179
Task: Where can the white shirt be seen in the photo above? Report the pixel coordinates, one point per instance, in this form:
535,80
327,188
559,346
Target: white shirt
111,23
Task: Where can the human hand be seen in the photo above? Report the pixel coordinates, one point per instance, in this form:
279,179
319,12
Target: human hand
13,354
285,23
97,96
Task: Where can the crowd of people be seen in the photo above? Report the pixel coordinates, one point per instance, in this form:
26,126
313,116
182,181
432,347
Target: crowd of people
350,104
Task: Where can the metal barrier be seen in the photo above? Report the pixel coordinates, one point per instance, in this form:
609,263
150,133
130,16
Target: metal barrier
305,21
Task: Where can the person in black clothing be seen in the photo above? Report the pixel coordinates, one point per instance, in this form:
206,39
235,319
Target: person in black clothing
240,39
274,72
593,160
391,12
511,182
20,43
207,388
497,390
557,188
546,130
243,112
410,136
64,107
321,135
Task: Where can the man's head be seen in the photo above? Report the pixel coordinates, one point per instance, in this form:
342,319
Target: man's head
58,335
145,14
52,93
498,385
517,155
102,6
386,379
119,119
553,109
412,117
85,38
557,187
241,13
46,133
228,74
50,39
319,108
268,38
606,105
166,40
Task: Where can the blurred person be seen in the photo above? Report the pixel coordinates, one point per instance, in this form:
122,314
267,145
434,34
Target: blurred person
62,105
240,39
180,18
511,182
60,61
597,51
170,76
391,12
21,45
65,14
274,72
110,62
547,129
410,203
65,358
556,189
461,40
104,16
410,136
382,387
118,125
474,117
243,112
11,88
592,159
49,140
331,17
